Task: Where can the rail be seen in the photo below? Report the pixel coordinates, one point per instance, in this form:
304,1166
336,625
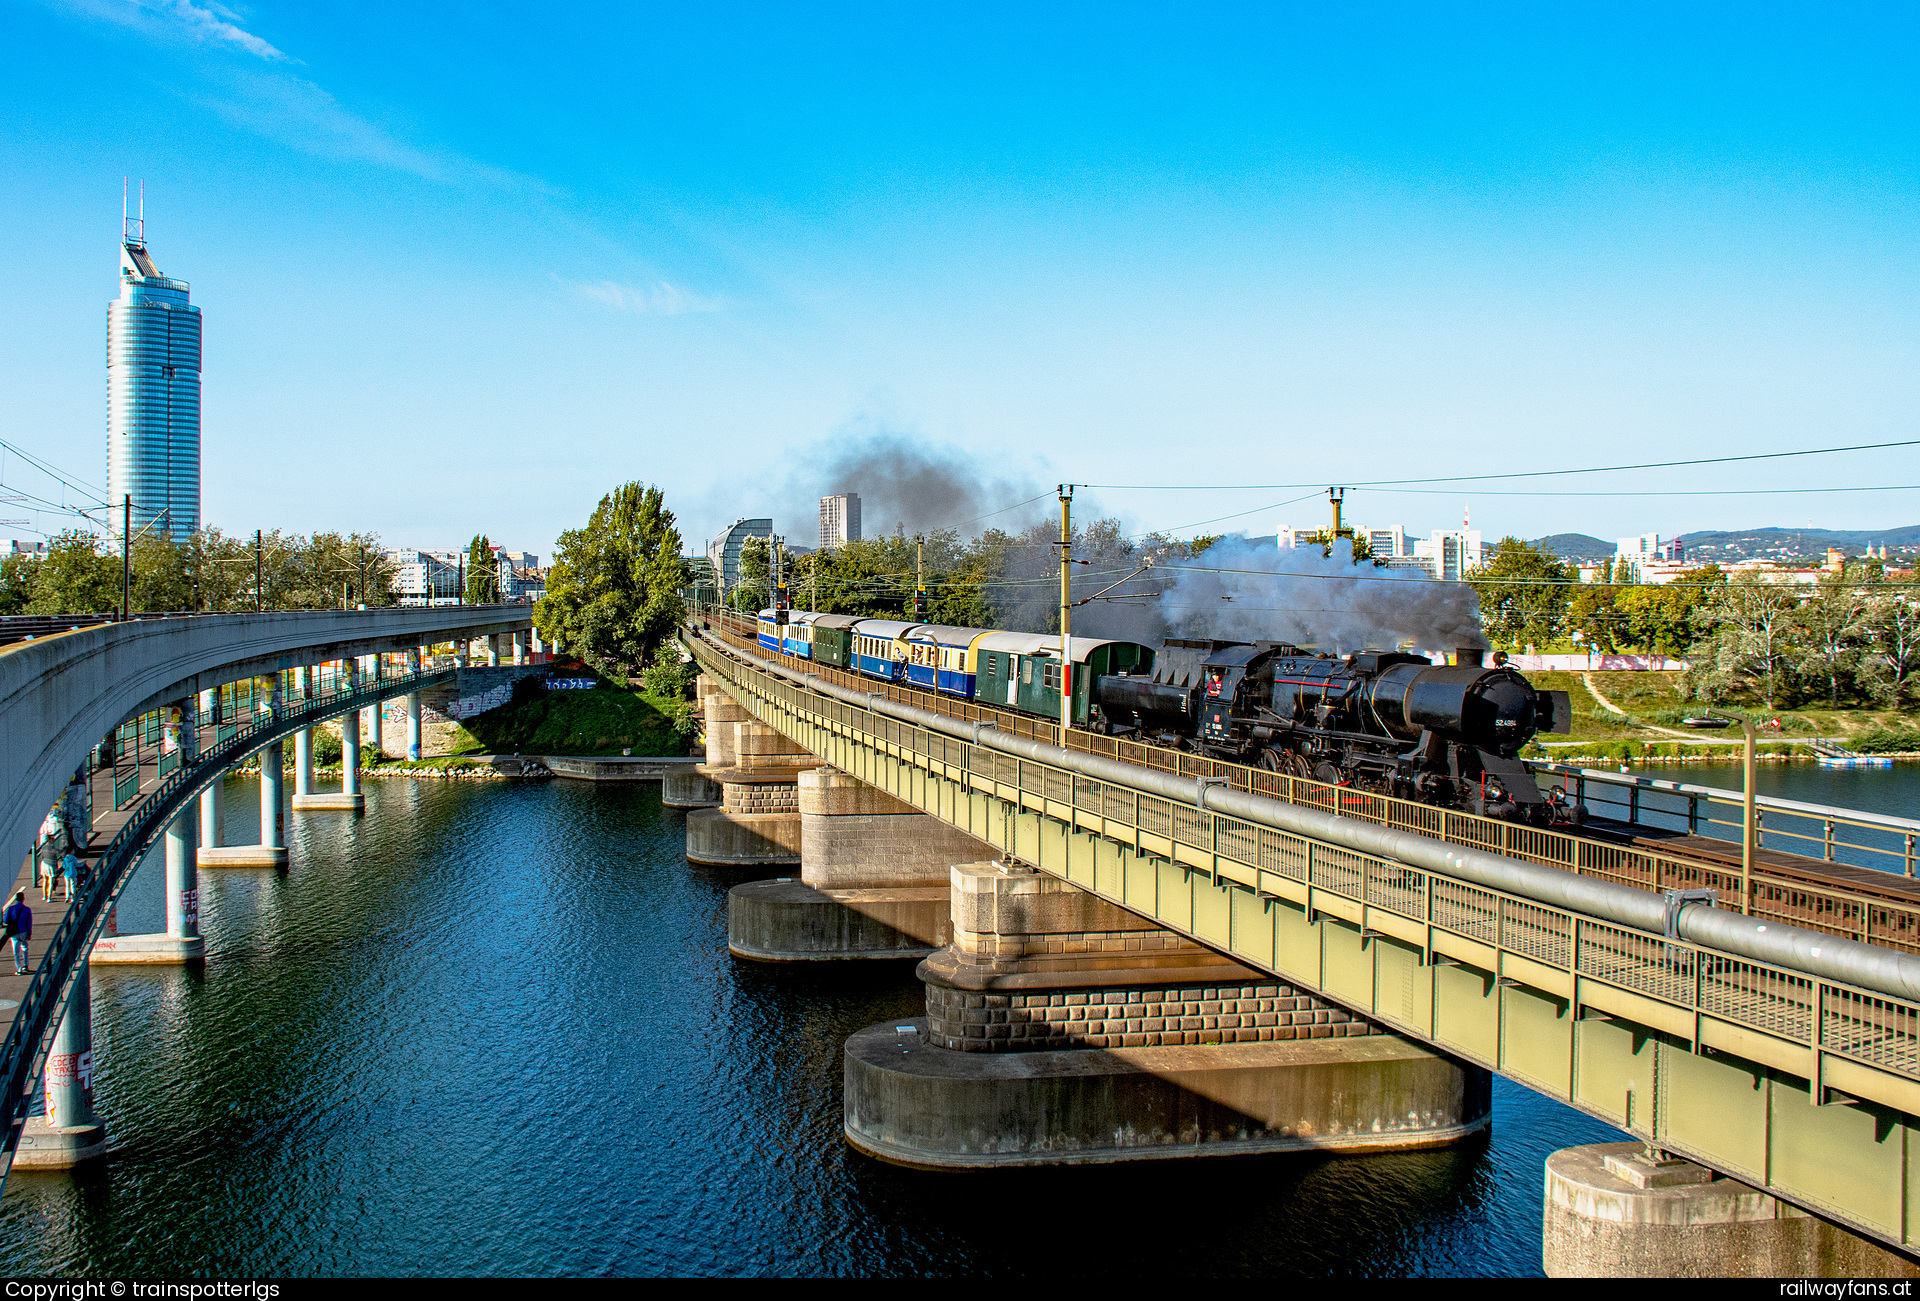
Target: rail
48,990
1835,909
1561,950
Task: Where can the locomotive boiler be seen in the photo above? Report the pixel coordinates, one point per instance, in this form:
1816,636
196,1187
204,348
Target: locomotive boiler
1391,723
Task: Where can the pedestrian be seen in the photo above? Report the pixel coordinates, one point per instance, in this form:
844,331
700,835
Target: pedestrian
70,874
18,920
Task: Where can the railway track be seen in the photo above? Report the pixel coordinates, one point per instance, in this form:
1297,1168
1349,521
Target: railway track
1861,903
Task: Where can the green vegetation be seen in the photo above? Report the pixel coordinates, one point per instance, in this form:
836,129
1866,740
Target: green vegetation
605,720
483,575
210,571
613,595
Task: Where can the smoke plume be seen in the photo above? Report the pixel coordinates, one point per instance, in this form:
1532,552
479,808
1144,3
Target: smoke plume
912,482
1243,589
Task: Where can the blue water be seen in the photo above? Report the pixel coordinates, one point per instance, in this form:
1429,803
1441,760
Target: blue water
493,1028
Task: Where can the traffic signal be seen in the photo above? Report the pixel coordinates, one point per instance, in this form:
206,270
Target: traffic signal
920,602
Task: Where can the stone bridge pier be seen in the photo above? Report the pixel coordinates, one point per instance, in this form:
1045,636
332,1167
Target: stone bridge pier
757,823
1061,1028
872,884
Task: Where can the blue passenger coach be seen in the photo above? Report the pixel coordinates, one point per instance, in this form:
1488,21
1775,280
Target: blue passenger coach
880,648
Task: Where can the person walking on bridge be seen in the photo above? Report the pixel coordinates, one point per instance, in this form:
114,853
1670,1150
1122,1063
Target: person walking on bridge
19,929
70,875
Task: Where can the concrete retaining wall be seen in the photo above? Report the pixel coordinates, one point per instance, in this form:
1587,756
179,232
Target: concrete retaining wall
791,921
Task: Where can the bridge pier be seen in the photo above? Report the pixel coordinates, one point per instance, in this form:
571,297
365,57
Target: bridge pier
493,650
182,942
873,880
69,1132
1613,1210
758,821
1062,1029
691,788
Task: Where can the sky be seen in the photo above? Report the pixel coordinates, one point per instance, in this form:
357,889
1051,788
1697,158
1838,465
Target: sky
465,269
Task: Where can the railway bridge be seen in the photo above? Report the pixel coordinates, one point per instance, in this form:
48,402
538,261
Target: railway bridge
124,731
1132,954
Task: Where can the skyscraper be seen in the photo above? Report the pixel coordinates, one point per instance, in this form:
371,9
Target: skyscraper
153,393
839,520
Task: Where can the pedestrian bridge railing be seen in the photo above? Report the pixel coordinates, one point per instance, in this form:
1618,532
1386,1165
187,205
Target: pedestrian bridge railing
25,1047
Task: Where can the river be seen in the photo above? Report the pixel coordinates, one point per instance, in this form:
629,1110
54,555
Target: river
493,1028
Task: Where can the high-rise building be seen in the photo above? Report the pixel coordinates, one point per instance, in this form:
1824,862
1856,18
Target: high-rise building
153,394
839,520
724,551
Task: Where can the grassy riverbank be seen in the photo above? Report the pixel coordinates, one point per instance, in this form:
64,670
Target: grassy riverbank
1648,708
605,721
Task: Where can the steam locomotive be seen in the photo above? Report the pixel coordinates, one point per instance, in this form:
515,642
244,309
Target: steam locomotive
1396,724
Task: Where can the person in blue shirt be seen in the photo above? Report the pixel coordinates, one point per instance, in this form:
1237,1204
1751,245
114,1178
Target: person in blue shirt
70,873
19,929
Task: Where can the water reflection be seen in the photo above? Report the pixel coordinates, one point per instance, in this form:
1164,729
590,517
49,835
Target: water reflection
493,1028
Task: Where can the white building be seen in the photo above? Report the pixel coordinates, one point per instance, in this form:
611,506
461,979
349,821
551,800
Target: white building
1646,548
839,520
1387,543
1451,553
425,577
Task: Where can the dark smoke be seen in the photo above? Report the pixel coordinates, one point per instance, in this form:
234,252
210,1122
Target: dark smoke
908,481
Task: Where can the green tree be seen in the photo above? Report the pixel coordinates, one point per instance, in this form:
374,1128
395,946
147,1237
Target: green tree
483,575
1890,650
1748,628
1830,626
16,581
750,592
613,594
1593,611
1523,594
77,576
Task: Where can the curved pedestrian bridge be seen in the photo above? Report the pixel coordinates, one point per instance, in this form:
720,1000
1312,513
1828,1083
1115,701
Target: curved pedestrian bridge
72,705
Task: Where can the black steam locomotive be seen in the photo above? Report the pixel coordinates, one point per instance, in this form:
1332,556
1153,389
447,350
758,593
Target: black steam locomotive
1390,723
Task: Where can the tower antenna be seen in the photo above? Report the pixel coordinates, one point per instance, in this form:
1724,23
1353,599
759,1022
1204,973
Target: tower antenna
133,230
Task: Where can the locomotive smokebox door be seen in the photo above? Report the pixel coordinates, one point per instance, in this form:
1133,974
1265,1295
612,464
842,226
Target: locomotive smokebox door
1555,712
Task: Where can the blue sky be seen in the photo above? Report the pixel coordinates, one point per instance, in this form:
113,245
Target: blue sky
464,268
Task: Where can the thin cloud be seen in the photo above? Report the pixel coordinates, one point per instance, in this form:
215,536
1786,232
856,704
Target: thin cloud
660,299
179,20
271,101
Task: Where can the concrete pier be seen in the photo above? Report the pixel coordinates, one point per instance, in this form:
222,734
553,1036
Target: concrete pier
182,942
271,851
348,798
69,1132
1063,1029
873,880
1614,1210
758,821
688,788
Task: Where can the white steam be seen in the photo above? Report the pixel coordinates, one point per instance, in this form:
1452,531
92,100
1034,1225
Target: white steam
1241,589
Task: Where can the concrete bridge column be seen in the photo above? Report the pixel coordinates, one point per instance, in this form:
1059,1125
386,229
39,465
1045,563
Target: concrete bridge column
273,762
1061,1028
874,880
461,649
758,821
519,648
302,765
182,942
350,754
70,1132
413,725
213,812
348,798
539,647
493,650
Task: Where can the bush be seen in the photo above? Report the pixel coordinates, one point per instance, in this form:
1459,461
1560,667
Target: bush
326,746
1887,740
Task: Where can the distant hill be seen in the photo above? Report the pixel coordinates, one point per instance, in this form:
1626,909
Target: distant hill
1575,546
1752,544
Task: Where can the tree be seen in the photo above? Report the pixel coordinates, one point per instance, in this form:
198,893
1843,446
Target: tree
1830,625
1890,648
16,581
613,594
1593,611
1523,594
76,577
483,575
1748,626
750,590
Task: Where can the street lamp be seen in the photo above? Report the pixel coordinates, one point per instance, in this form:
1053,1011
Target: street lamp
1715,723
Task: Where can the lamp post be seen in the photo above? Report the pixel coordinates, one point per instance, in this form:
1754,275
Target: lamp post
1715,723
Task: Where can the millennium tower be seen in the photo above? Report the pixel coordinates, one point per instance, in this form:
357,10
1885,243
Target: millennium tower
153,393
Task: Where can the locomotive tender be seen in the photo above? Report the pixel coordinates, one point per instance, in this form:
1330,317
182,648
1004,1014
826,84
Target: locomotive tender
1396,724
